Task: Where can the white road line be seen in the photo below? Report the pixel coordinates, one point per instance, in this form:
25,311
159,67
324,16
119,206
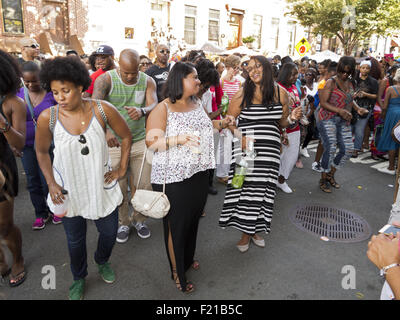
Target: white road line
380,165
360,157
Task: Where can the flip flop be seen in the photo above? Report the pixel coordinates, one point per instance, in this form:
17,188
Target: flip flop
15,281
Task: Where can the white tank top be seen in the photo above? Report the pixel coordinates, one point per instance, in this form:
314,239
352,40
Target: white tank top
180,162
83,175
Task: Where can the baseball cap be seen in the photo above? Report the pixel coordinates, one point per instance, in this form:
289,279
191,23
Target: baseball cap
244,59
388,56
28,42
104,49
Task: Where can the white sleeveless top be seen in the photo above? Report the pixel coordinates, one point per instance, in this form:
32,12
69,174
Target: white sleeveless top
83,175
180,162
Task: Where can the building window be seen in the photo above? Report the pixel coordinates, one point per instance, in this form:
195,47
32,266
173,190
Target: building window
190,24
13,21
156,7
275,32
318,46
213,25
292,37
258,29
129,32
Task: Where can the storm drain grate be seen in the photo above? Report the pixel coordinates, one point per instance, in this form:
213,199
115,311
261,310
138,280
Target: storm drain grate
333,223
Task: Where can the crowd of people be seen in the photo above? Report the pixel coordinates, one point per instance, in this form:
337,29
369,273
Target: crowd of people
86,128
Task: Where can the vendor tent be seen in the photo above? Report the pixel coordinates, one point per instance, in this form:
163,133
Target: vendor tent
243,50
211,48
327,54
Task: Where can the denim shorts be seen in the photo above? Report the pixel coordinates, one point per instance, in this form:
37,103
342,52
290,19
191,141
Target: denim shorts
335,134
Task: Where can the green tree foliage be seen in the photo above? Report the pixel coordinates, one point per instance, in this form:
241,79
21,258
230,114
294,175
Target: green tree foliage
349,20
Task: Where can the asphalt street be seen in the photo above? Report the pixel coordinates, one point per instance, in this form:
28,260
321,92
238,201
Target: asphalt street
294,265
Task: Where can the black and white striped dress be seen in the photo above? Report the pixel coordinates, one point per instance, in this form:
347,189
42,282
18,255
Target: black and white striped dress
250,208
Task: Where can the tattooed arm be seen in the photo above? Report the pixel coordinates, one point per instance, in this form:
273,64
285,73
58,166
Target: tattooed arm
102,87
151,95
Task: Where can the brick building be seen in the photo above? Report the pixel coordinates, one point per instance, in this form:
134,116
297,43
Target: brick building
56,24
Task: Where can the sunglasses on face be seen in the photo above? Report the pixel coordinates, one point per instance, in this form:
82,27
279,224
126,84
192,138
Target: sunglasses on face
164,51
145,63
345,72
33,46
85,149
309,74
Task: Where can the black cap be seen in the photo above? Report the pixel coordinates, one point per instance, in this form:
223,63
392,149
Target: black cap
104,49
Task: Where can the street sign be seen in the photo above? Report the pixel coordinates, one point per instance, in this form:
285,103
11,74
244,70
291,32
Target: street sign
303,46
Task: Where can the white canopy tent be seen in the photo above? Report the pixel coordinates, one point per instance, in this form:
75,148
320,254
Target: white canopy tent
327,54
242,50
211,48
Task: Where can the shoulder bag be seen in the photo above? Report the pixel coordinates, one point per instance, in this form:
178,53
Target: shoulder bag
150,203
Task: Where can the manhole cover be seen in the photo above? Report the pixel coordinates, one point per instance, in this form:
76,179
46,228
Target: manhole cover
334,223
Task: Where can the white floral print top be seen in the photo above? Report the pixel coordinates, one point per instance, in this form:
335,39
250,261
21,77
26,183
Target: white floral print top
182,162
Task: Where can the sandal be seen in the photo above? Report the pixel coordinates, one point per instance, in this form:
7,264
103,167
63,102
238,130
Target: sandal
324,185
18,279
196,265
189,285
332,181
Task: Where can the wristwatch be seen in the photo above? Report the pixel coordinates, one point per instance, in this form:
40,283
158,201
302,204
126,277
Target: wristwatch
384,270
6,127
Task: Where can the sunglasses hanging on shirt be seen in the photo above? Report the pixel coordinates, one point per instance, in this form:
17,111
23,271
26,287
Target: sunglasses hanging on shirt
85,149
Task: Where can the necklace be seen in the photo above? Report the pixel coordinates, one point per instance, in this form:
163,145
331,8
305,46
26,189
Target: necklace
39,98
83,112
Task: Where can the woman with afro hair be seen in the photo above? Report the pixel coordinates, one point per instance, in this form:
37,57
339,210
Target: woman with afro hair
81,168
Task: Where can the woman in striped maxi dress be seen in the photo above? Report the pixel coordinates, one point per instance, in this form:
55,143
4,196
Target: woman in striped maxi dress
261,108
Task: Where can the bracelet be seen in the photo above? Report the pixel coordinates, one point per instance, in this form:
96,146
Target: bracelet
384,270
290,120
6,128
167,142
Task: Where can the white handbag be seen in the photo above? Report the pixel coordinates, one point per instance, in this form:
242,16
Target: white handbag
151,204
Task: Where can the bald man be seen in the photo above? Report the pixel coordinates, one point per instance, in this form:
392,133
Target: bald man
133,93
161,68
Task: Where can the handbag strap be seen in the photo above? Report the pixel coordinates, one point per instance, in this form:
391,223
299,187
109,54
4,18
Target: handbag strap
53,118
141,170
29,103
102,113
144,159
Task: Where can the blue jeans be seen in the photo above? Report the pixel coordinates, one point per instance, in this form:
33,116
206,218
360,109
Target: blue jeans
335,133
75,229
36,182
359,129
